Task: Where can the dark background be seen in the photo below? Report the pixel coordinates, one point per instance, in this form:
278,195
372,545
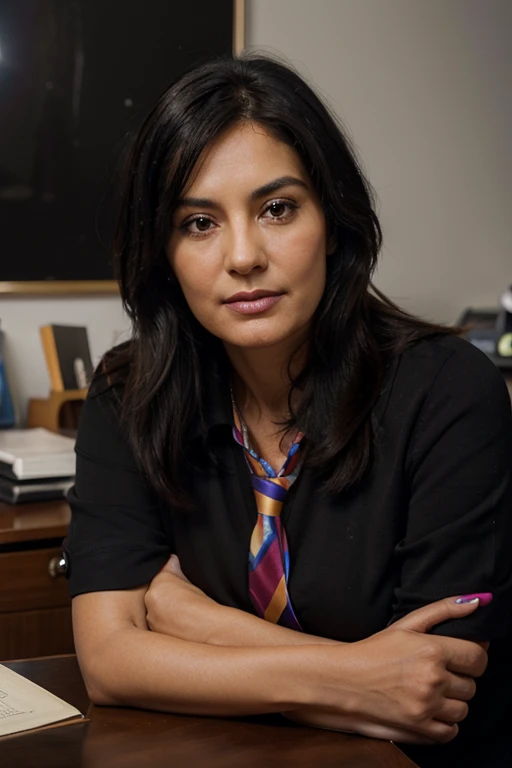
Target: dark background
77,77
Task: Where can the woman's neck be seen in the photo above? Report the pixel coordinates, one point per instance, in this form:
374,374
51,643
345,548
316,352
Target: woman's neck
261,381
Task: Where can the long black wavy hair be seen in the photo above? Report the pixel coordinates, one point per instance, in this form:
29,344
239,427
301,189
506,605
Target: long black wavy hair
355,330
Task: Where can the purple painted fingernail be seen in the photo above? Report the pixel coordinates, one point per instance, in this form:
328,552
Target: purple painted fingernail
484,598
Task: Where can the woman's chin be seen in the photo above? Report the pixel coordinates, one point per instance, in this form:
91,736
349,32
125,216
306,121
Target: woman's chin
261,340
256,342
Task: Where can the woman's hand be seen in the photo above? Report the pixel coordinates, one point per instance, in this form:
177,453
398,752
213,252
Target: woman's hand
401,684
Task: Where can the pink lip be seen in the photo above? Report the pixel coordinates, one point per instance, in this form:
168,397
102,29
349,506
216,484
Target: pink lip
260,293
254,306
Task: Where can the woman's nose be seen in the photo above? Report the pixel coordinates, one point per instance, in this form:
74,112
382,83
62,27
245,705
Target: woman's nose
244,251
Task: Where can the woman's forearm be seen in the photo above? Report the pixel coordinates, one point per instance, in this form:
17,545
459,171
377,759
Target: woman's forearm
234,627
178,609
145,669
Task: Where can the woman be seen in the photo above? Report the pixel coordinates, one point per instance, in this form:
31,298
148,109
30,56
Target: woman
290,496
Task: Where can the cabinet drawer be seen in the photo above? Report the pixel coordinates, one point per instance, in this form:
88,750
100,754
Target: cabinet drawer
26,583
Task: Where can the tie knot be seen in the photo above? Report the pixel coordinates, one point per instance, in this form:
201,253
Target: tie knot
270,494
273,487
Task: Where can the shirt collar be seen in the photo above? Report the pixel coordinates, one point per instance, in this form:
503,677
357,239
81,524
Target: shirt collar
218,408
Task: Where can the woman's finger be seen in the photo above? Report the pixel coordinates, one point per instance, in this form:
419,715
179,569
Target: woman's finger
460,687
441,732
452,711
173,566
423,619
463,656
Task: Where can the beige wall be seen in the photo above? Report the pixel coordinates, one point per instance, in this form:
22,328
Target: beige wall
425,88
21,318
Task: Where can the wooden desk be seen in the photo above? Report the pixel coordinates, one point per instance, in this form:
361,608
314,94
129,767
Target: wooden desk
35,612
129,738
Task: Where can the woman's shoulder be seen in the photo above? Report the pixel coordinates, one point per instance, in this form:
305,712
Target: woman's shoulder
101,431
447,371
452,357
442,346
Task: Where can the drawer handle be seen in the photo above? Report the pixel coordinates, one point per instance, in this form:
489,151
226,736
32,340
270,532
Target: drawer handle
58,565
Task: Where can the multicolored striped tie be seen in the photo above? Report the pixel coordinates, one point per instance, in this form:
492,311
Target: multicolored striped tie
269,560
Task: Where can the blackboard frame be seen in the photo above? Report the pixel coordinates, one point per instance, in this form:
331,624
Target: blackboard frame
103,287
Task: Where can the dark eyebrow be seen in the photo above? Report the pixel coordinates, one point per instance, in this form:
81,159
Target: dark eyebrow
266,189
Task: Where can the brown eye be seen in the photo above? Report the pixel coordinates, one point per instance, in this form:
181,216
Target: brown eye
202,223
281,210
277,209
197,226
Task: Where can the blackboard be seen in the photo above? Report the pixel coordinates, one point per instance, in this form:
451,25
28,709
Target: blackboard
77,77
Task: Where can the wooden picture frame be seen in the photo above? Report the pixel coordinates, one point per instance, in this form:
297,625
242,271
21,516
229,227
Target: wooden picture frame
83,287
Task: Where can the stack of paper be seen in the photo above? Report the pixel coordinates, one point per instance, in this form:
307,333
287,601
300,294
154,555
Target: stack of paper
35,464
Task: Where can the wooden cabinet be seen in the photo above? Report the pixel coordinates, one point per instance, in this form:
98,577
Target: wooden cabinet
35,607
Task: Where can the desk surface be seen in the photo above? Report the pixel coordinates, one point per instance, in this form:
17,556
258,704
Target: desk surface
129,738
33,521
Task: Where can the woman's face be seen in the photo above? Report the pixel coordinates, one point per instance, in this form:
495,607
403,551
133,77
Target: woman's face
248,242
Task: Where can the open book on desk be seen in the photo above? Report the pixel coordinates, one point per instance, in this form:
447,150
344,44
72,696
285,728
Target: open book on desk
25,705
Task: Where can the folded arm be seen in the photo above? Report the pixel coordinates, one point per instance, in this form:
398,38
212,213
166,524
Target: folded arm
399,684
177,608
125,664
